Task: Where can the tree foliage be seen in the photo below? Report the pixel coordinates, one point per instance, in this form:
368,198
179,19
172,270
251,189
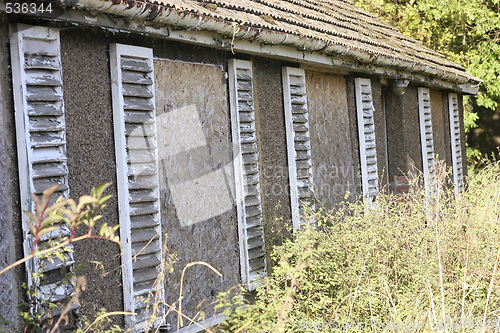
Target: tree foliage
466,31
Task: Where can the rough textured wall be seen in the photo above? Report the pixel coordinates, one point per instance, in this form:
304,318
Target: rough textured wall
378,95
332,158
11,216
353,130
462,133
447,132
196,181
91,155
10,219
403,130
440,126
272,143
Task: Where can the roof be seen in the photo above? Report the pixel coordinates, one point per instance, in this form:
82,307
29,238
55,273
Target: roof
333,27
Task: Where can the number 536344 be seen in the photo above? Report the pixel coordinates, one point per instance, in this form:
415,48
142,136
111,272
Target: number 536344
27,8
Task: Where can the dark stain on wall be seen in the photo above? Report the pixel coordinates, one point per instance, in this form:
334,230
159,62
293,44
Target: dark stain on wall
462,133
440,126
271,133
378,94
353,129
403,130
11,217
91,157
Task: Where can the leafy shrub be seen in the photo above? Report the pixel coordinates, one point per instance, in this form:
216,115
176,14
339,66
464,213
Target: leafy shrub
412,258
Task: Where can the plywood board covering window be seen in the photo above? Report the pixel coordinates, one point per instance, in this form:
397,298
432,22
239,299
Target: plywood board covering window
426,137
41,139
247,175
298,141
366,135
137,181
456,143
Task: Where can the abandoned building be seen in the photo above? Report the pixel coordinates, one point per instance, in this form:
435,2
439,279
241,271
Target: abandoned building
210,118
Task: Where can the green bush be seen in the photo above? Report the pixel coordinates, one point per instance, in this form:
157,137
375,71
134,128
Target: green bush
411,258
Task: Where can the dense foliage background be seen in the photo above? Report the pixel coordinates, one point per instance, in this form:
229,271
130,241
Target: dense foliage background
468,33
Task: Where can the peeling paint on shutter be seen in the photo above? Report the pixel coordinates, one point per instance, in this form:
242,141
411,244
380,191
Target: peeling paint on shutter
137,181
41,140
366,133
247,177
298,141
426,137
456,143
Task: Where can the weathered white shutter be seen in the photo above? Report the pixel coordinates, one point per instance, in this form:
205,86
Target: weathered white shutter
456,144
426,137
298,140
246,171
41,139
366,133
137,181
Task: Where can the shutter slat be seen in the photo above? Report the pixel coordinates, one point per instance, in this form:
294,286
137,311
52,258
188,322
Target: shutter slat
42,79
138,182
426,137
33,61
366,137
41,137
247,175
456,144
136,78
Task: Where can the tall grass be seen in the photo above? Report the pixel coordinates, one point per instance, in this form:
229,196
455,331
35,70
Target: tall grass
427,261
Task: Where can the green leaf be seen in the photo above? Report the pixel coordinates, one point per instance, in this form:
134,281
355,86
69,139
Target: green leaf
32,228
47,230
100,189
85,200
32,216
51,219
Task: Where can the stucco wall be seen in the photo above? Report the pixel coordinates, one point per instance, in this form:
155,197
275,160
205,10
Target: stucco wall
332,158
462,133
91,157
11,217
403,130
272,144
441,125
196,182
10,223
378,95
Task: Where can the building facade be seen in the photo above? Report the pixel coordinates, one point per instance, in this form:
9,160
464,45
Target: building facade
211,119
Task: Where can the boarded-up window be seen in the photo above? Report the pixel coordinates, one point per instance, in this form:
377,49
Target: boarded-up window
298,140
247,176
456,143
426,137
41,139
137,181
366,134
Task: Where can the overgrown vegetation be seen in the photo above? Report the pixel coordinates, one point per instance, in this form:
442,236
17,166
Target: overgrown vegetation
408,259
54,227
427,261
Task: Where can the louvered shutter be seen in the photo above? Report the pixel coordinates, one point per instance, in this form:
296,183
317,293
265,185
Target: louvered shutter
298,140
246,170
366,133
137,181
426,137
456,143
41,139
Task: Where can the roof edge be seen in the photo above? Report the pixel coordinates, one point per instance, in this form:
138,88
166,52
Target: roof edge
142,10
